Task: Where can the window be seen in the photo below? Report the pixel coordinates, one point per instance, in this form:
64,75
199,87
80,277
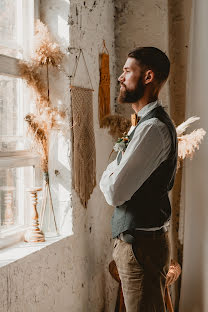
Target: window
17,163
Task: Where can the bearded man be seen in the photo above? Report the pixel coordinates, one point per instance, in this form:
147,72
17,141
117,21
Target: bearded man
137,183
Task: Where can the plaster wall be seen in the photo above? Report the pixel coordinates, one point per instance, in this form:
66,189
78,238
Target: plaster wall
71,274
179,34
194,286
140,23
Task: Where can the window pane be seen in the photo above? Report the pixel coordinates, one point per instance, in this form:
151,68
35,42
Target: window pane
11,27
12,112
13,182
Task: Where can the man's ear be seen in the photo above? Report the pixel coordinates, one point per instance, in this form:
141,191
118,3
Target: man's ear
149,76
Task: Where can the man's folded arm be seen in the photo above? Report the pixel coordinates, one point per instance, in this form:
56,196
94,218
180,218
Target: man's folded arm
144,154
104,181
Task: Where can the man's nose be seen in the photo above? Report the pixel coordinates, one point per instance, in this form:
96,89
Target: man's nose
121,77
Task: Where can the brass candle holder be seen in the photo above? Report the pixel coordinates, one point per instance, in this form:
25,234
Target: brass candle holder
34,234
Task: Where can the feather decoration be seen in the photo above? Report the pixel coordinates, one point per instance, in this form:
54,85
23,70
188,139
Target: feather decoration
182,127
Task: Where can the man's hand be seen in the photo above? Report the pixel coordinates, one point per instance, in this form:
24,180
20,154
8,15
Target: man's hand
173,273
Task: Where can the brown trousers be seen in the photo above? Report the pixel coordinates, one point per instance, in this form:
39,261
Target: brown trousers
142,267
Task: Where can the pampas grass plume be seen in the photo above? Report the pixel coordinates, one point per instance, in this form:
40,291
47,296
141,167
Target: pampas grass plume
46,50
184,125
188,143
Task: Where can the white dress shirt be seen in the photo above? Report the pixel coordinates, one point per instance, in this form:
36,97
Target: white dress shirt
149,147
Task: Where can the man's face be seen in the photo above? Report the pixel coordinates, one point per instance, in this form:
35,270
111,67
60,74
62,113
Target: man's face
131,82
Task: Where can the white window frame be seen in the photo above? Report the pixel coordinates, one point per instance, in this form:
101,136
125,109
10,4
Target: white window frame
8,67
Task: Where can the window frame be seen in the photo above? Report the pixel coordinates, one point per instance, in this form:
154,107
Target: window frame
9,67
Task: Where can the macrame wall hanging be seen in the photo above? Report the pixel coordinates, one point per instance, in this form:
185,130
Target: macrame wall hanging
104,87
84,153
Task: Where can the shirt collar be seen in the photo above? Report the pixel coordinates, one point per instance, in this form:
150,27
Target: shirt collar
147,108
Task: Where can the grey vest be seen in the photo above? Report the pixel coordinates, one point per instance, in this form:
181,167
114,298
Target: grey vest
150,206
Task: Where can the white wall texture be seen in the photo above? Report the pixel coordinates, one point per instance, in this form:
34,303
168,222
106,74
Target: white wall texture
72,274
194,286
140,23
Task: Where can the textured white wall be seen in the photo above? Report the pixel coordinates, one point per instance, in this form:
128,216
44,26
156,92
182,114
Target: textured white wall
140,23
72,274
194,286
91,22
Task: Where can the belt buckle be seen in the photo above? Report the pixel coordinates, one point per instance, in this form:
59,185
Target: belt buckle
165,229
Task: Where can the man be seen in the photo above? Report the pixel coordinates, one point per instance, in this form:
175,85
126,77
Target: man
137,183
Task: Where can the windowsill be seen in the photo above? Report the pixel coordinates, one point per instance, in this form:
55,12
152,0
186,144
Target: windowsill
20,160
22,249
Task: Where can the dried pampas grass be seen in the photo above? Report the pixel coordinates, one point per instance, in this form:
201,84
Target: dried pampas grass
38,130
32,75
117,125
36,73
189,143
184,125
46,53
46,50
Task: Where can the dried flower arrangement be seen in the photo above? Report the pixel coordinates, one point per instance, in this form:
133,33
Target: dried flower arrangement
117,125
46,53
187,143
46,117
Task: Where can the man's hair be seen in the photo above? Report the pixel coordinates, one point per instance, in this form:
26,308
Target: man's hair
154,59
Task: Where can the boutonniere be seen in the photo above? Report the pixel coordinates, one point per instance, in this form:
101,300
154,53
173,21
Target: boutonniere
122,143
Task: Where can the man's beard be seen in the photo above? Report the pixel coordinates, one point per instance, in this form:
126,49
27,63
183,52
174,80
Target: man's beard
131,96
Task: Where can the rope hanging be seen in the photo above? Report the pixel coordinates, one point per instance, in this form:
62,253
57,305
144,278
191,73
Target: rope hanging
84,152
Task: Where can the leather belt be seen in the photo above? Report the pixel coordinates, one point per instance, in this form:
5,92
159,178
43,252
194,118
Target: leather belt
130,236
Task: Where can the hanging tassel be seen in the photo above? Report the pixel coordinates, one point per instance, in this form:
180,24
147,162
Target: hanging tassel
104,87
84,152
